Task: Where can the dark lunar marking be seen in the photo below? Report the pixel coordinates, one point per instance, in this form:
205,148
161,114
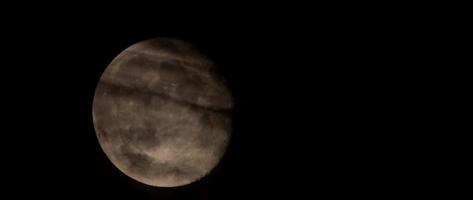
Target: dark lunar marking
144,136
172,73
102,133
205,119
171,67
117,90
139,62
213,122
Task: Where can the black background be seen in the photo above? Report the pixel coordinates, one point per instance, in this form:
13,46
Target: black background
327,105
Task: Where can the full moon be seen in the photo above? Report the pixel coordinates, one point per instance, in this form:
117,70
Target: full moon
161,113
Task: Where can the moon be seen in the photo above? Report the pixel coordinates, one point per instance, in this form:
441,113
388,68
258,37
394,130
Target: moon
161,113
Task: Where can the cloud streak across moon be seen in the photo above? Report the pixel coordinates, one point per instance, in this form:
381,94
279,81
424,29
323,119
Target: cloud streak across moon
162,113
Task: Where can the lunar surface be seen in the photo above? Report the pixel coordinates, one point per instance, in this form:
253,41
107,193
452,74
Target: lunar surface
162,113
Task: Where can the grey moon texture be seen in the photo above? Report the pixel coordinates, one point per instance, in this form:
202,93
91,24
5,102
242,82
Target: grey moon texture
162,114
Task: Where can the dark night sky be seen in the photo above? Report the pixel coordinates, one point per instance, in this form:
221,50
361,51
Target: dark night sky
323,105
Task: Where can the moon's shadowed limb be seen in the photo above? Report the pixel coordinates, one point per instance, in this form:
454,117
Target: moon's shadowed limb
161,113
